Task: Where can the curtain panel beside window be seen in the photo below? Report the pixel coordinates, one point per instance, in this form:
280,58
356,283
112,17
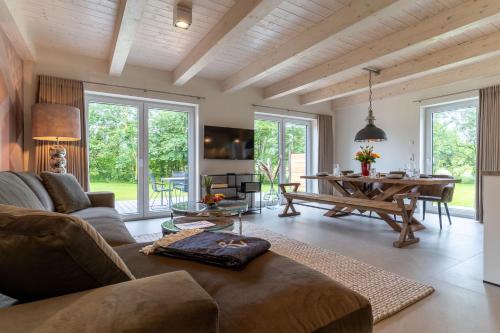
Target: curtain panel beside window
488,139
53,90
325,150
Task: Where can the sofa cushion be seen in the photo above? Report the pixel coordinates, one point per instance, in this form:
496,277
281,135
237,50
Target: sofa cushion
167,303
34,182
271,294
108,224
45,254
66,192
13,191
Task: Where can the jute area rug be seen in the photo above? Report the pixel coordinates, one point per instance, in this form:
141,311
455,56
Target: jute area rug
388,292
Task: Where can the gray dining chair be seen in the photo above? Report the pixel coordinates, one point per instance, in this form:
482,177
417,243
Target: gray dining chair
440,194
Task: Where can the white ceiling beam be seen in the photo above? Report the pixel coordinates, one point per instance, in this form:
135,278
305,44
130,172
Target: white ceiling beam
283,54
475,50
238,20
440,26
127,23
486,68
15,29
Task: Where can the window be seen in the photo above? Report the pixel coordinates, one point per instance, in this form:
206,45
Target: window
450,149
141,151
288,139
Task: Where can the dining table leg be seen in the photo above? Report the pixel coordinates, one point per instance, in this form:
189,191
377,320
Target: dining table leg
351,189
339,210
388,195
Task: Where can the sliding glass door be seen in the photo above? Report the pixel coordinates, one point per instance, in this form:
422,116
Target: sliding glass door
295,152
168,157
285,139
451,137
113,139
141,151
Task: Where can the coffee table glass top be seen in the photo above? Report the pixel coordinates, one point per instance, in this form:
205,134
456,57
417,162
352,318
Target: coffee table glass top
224,208
169,226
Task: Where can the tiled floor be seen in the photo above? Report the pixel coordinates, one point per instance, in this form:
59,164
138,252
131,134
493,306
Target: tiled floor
450,260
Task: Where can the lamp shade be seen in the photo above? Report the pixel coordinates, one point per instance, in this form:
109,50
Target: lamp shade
370,133
55,122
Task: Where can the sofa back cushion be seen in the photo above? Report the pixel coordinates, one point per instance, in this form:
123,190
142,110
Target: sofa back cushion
34,182
45,254
13,191
66,192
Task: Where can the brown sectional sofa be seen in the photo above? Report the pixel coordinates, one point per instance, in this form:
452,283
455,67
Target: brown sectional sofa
271,294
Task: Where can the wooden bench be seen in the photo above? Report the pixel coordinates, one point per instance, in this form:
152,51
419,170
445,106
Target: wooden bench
406,236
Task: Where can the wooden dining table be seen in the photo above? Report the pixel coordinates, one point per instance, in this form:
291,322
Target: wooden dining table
379,189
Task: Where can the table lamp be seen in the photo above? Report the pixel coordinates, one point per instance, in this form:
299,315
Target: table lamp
56,122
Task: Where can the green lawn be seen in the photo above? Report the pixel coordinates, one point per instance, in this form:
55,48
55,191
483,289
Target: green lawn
463,196
123,191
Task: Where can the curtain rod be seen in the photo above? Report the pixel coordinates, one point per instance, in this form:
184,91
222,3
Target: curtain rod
145,90
283,109
446,95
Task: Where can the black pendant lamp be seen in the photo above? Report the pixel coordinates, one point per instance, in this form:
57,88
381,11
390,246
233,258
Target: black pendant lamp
370,133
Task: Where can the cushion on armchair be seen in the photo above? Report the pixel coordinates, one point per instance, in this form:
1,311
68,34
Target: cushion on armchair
66,192
45,254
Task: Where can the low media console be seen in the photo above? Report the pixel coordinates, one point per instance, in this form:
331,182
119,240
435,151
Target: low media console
237,186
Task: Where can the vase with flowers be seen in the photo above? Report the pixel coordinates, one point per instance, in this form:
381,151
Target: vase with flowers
366,156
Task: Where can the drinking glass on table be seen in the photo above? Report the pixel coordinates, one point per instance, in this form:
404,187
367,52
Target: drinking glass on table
416,173
336,170
373,172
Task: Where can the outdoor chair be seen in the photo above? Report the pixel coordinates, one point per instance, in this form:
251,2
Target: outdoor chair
180,186
159,189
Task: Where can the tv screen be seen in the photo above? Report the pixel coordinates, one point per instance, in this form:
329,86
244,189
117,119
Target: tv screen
228,143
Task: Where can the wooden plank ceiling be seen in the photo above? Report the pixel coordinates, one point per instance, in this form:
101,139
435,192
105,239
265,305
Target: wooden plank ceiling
312,48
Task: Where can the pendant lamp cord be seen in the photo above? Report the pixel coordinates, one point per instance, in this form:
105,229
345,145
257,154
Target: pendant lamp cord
370,117
370,91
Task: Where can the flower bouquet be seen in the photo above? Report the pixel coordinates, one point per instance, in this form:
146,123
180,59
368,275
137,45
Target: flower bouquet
366,156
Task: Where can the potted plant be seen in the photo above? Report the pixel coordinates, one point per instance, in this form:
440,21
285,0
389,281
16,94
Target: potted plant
210,199
366,156
207,184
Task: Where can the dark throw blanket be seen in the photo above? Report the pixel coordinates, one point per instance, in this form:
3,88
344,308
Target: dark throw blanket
216,248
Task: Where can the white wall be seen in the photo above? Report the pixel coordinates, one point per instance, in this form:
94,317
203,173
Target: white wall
219,109
400,118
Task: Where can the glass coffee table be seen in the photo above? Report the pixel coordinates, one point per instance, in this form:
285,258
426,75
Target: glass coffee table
170,226
221,215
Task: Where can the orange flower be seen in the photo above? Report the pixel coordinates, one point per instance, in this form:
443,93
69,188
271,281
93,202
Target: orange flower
375,155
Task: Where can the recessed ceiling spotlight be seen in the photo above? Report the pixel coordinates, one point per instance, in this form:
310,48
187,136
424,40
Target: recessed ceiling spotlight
183,16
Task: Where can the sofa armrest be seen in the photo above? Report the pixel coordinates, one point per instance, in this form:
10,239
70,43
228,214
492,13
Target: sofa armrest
171,302
102,199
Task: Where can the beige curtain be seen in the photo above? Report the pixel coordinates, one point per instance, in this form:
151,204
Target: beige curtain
55,90
488,139
325,150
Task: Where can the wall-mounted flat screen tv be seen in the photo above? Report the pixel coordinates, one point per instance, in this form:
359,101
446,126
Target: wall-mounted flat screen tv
228,143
